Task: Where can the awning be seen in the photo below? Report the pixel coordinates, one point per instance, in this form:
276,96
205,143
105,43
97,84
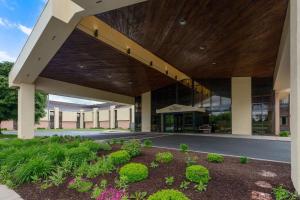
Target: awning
176,108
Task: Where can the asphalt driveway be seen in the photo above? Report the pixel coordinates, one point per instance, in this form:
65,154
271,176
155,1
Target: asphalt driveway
254,148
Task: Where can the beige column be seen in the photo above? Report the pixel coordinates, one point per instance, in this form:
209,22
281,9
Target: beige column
95,117
81,119
241,105
295,91
112,116
56,118
146,112
26,109
277,113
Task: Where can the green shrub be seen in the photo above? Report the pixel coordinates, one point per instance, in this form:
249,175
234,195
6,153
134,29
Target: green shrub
78,155
169,180
104,146
56,153
183,148
148,143
119,157
215,158
168,195
134,172
197,174
284,134
103,166
90,145
133,147
164,157
80,185
36,167
244,160
283,194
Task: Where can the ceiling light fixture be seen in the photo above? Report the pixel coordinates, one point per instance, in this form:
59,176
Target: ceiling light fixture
214,63
182,22
109,76
130,82
81,66
202,48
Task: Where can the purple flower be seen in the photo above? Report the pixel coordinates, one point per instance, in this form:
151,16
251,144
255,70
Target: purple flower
111,194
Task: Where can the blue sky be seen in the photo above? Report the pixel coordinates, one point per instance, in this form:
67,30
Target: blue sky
17,18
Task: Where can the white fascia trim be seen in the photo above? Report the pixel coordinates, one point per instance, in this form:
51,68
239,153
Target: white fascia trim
56,23
55,87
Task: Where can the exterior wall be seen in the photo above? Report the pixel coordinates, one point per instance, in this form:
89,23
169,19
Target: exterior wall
104,124
88,116
69,125
9,125
241,106
42,124
124,124
103,115
146,112
88,124
123,114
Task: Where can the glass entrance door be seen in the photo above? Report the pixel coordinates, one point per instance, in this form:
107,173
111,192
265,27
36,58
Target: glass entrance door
173,123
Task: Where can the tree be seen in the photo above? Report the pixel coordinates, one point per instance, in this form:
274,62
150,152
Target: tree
9,98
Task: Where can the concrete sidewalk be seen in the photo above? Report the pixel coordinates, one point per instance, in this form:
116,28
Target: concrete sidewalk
8,194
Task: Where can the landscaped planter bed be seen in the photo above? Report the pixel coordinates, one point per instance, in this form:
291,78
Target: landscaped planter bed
230,180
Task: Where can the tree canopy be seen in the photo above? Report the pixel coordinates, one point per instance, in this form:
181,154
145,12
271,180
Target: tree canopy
9,98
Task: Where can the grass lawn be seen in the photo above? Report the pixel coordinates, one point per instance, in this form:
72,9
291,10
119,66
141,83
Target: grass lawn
75,168
4,136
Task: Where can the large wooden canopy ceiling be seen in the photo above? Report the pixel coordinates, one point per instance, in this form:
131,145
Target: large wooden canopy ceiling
221,38
86,61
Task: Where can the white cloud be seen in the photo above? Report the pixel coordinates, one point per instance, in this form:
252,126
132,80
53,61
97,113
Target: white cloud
7,24
4,56
25,29
72,100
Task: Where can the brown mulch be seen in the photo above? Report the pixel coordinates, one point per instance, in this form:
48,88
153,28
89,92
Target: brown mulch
230,180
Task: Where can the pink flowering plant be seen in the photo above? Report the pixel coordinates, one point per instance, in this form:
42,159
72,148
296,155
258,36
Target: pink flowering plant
112,194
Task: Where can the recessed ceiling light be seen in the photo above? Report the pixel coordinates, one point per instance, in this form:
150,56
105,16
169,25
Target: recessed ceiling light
182,22
214,63
109,76
81,66
202,47
130,82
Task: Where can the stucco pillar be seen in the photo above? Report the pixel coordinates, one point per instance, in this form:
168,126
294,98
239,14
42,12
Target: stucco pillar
112,117
241,105
26,109
146,112
295,91
277,113
95,118
81,119
56,118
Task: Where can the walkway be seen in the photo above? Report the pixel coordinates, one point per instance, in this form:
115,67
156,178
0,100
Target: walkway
8,194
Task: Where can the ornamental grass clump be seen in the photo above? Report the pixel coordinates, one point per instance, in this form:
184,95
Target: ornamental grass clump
134,172
78,155
168,195
197,174
80,185
183,148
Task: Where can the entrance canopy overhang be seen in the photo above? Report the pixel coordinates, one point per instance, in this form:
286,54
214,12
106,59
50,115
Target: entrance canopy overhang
177,108
134,46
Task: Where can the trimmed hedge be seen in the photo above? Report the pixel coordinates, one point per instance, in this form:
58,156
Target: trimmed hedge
134,172
168,195
119,157
215,158
197,174
164,157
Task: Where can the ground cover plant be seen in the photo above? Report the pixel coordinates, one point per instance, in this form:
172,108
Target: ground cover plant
105,171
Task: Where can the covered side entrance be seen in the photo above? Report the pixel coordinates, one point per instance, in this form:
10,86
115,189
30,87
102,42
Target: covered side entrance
180,118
